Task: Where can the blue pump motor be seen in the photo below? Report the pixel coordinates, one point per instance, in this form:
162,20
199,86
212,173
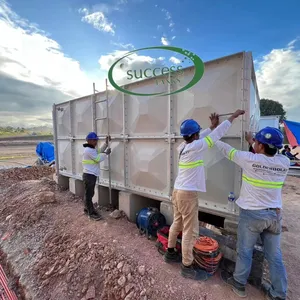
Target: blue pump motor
149,220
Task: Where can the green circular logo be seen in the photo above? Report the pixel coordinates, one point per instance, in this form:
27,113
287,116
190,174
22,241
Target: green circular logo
198,63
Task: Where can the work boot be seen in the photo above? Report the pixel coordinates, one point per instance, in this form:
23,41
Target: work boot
237,287
172,257
95,216
266,288
192,272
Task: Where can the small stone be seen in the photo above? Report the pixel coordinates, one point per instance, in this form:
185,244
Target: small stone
8,217
129,277
26,251
126,269
106,267
120,265
116,214
46,197
130,296
122,280
142,270
143,293
91,293
50,271
128,287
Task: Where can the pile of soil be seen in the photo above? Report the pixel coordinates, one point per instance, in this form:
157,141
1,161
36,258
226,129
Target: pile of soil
58,253
20,174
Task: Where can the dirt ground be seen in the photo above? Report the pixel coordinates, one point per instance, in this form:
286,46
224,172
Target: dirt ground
16,154
59,254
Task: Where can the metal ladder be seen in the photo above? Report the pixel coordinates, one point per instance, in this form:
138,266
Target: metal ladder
96,119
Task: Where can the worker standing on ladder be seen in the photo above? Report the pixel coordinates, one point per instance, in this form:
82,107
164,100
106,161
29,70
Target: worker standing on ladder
190,181
260,210
91,169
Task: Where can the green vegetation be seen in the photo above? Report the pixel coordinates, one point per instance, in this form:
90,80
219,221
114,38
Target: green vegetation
20,131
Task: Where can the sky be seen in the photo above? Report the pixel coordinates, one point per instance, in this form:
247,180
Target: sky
53,51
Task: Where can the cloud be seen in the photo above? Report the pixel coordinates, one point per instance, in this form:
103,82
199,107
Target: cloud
278,77
124,46
34,71
173,37
98,20
188,30
165,41
132,62
159,27
175,60
168,17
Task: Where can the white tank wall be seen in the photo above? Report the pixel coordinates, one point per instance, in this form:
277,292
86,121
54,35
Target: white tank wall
147,162
272,121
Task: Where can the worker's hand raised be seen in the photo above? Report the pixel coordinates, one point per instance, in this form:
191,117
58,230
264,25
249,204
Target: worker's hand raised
238,113
108,151
107,139
214,118
249,137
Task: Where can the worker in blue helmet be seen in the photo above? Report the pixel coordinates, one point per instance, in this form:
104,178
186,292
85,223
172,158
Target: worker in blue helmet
191,180
260,203
91,169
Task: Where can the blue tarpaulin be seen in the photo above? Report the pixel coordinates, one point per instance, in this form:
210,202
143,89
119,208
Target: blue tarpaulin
292,130
45,151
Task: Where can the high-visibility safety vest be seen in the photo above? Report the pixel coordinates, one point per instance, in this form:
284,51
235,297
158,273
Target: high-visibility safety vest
191,173
262,179
91,160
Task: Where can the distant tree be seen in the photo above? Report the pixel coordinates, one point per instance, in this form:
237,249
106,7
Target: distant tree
270,107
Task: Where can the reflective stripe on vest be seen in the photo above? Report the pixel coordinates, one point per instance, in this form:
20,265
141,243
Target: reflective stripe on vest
231,153
209,141
191,165
263,183
91,161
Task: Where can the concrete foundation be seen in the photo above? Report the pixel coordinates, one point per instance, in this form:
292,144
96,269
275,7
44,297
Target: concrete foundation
76,187
131,204
167,210
62,181
230,226
102,196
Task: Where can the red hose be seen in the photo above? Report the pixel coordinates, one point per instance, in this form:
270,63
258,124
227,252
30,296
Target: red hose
10,295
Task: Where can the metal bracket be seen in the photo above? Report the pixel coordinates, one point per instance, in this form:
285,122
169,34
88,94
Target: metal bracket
170,138
60,109
125,137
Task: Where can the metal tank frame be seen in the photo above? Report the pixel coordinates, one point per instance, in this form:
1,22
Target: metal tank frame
68,133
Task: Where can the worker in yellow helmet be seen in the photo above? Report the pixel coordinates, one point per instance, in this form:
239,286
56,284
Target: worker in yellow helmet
191,180
260,210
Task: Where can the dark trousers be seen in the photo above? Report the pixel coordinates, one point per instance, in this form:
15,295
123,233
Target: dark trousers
89,182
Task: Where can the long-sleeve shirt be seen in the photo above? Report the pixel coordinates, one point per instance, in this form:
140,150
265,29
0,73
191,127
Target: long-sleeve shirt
92,158
191,173
262,179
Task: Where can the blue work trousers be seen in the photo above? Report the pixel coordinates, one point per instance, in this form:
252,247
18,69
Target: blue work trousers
267,224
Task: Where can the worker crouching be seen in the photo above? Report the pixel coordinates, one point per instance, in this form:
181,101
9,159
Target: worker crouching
190,181
91,170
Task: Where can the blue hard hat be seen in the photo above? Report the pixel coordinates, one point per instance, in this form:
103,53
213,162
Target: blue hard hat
270,136
92,136
189,127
